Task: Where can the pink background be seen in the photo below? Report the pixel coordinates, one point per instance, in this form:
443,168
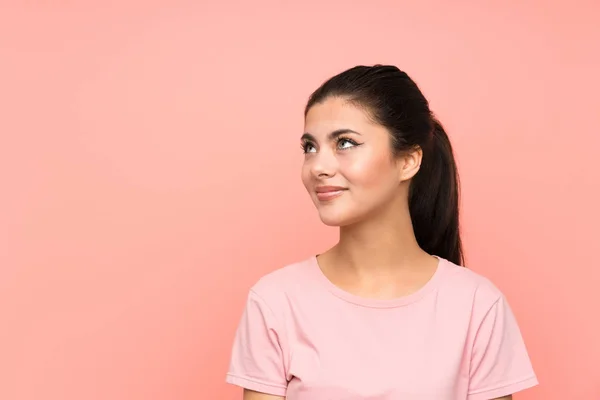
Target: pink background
150,160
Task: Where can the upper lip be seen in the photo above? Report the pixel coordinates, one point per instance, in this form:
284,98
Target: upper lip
326,189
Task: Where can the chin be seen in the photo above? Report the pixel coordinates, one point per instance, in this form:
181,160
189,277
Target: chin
336,219
331,222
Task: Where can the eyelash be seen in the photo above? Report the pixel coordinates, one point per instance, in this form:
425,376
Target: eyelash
304,146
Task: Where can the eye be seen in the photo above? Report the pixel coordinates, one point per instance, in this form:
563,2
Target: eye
308,147
344,143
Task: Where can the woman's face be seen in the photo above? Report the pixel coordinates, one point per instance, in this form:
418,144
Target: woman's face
348,170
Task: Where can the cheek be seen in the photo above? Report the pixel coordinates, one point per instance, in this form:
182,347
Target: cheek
305,175
367,170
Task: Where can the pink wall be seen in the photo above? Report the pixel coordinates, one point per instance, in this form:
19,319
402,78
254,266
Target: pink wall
149,163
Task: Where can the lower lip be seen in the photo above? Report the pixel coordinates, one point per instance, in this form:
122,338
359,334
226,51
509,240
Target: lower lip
324,196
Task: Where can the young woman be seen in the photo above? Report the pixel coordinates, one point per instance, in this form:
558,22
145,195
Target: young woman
388,313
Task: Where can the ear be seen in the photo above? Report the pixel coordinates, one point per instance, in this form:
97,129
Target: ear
409,163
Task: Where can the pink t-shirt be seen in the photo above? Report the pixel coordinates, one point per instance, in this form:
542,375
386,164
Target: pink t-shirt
304,338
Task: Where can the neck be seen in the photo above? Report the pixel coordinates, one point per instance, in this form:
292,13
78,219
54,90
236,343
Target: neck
382,243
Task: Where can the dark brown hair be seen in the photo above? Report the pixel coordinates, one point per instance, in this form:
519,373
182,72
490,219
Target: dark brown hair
394,101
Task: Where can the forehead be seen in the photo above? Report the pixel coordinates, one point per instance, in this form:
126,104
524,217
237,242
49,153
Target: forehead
336,113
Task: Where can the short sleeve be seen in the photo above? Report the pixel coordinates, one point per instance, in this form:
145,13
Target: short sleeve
500,364
257,360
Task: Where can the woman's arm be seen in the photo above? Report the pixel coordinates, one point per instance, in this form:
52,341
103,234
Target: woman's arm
251,395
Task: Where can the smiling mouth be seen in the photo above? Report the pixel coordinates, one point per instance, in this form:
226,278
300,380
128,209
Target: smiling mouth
325,194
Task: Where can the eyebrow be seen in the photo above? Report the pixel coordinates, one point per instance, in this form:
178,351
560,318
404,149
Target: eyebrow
333,135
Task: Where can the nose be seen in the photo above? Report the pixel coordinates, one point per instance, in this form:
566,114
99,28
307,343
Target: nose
323,165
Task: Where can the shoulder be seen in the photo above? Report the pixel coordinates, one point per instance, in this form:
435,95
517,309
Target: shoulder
465,282
280,285
284,278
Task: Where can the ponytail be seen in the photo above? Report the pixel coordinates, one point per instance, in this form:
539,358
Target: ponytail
434,199
395,101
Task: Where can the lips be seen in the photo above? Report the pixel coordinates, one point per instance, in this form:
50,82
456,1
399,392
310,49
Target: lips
325,193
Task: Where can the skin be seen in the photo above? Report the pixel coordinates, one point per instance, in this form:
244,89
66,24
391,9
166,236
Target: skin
377,255
250,395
